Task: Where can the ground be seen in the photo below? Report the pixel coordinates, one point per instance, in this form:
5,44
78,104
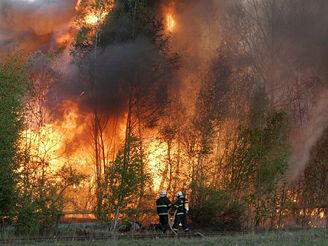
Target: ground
300,237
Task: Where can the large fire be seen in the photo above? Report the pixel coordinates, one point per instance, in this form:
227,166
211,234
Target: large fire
175,152
68,139
56,141
93,18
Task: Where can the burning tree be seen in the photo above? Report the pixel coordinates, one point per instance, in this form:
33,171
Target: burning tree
43,180
202,96
139,88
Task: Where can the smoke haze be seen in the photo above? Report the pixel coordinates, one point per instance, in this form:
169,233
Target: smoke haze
308,135
287,42
30,25
296,70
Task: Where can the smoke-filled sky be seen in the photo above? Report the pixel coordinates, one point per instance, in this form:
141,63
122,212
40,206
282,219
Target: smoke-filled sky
27,25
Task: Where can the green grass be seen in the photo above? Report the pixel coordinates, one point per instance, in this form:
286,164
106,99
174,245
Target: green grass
278,238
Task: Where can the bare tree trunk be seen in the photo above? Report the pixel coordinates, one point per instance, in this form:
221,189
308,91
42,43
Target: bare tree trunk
141,156
134,19
102,148
169,160
117,212
96,130
164,175
97,162
126,158
177,170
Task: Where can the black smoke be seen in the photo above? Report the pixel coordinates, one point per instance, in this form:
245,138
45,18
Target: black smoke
106,78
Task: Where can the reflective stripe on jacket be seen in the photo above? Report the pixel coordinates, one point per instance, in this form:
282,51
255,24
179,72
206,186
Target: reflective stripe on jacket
181,205
163,204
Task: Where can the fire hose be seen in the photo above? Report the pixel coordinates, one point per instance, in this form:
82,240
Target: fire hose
171,221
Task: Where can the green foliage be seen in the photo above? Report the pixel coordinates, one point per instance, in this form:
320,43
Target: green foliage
258,162
126,21
130,19
86,35
211,103
126,179
258,107
13,85
260,154
27,218
41,200
216,209
40,189
38,215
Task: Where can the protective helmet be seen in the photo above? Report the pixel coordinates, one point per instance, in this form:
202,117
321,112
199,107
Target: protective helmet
163,193
179,194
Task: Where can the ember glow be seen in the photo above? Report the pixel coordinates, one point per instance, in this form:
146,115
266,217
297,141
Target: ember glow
170,22
95,19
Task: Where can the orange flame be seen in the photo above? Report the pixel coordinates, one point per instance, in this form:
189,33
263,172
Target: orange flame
62,141
65,39
156,155
93,19
170,22
77,5
55,141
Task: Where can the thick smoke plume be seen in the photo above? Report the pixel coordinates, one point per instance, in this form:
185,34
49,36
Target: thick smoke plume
196,38
298,33
308,135
107,80
286,39
30,25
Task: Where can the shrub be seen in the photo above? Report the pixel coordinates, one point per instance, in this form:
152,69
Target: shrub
214,208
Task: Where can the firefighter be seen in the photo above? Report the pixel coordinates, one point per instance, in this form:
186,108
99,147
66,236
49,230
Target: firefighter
163,204
182,208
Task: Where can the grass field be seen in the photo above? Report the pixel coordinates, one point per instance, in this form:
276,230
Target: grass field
302,237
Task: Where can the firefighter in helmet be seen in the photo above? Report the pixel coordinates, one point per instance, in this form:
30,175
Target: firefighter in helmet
182,208
163,204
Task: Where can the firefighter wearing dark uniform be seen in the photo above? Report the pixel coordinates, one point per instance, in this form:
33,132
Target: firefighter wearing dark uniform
182,208
163,204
